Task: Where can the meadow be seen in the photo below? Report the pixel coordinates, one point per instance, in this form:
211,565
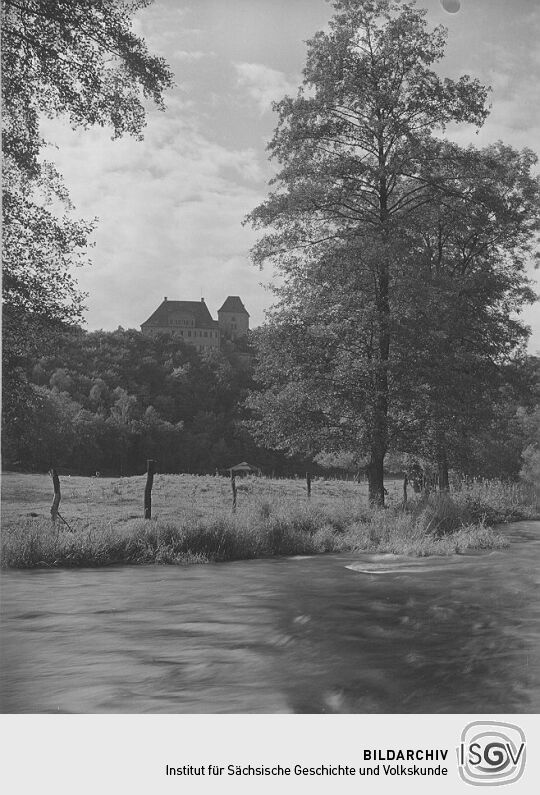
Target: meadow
193,522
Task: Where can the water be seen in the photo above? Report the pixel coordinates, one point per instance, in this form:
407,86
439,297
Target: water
337,633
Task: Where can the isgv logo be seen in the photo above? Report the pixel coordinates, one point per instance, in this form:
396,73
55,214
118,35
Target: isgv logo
491,753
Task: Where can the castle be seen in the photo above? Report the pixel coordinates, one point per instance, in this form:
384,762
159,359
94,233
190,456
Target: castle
192,321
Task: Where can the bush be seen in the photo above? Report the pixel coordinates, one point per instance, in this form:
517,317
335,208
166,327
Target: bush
439,515
494,502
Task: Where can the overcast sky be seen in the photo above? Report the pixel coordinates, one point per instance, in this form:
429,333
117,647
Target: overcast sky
170,208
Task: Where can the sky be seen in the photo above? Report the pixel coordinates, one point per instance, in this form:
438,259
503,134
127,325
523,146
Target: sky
170,208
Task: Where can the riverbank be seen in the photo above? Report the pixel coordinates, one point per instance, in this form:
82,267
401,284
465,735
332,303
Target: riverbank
385,635
193,523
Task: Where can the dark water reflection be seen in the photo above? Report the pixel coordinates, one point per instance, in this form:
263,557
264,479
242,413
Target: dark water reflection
336,633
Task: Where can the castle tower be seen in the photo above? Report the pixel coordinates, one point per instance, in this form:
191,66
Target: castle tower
233,319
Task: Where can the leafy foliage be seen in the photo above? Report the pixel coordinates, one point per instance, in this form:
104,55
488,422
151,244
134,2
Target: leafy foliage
80,59
107,401
58,58
401,254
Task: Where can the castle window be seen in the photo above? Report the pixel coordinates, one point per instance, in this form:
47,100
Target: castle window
205,333
189,333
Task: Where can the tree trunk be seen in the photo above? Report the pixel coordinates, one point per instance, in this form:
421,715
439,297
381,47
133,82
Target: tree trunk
379,432
375,473
148,488
57,496
233,489
442,463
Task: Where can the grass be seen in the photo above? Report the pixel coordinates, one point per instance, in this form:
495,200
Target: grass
493,502
194,524
174,497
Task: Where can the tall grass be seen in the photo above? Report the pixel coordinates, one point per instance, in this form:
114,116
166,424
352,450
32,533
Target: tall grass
495,502
435,526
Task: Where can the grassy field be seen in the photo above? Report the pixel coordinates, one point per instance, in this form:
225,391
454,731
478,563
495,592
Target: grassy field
192,520
174,497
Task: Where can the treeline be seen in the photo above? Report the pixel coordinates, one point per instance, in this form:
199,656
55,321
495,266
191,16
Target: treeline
106,401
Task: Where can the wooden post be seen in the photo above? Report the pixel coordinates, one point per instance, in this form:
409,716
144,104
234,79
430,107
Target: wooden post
308,484
57,496
405,483
148,488
233,487
55,513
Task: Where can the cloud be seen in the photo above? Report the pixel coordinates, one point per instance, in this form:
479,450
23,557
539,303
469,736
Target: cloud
170,213
263,84
193,55
171,207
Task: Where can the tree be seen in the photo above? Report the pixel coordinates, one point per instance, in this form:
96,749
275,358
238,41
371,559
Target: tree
49,435
352,148
463,341
40,294
58,58
80,59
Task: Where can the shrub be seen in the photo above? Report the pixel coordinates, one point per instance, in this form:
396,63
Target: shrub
494,502
439,515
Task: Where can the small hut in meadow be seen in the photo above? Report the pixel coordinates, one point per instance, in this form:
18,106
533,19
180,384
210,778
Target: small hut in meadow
244,469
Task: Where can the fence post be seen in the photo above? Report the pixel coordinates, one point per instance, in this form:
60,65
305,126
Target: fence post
148,488
57,496
308,484
233,487
55,513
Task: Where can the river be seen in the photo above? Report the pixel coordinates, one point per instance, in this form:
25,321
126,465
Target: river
332,633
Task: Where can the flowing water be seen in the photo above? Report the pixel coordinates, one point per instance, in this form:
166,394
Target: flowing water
335,633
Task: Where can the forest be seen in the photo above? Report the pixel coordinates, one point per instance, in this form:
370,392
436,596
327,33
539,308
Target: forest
107,401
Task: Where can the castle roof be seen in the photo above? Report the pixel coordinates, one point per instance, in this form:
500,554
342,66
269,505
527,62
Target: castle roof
233,303
198,309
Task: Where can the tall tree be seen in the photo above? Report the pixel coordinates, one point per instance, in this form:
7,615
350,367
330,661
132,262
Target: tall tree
462,331
351,147
81,60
